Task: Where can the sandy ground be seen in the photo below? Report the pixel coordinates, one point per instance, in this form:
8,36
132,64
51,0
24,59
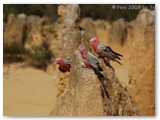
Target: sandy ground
28,91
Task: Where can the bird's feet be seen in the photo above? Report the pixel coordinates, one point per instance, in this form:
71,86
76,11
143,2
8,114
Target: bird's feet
107,62
83,65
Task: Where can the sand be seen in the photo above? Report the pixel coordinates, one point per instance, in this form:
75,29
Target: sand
28,91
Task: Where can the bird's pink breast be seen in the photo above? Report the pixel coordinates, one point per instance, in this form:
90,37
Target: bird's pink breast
65,67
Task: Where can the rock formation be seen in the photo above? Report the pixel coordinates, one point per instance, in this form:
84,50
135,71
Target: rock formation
69,17
83,95
15,32
118,32
88,25
101,24
86,94
41,31
34,31
142,62
24,33
119,102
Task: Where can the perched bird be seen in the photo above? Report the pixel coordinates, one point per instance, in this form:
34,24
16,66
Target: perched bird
64,64
105,52
90,60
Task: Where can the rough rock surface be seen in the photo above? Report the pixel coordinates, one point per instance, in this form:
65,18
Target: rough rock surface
62,84
69,17
79,98
119,102
142,62
84,96
118,32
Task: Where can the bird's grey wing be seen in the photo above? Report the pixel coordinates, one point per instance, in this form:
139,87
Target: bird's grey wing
92,55
93,61
111,53
104,52
95,64
107,52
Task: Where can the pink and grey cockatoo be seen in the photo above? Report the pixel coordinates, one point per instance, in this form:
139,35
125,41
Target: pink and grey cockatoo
105,52
64,64
90,60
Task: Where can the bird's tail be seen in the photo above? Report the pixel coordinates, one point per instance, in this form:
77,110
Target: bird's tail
107,47
117,54
117,57
98,71
104,91
118,62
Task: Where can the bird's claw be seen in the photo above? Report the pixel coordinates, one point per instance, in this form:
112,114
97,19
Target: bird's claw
83,66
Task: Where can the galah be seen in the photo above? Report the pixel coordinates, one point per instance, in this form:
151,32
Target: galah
105,52
64,64
90,60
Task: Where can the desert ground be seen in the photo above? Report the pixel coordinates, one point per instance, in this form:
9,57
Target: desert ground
28,91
